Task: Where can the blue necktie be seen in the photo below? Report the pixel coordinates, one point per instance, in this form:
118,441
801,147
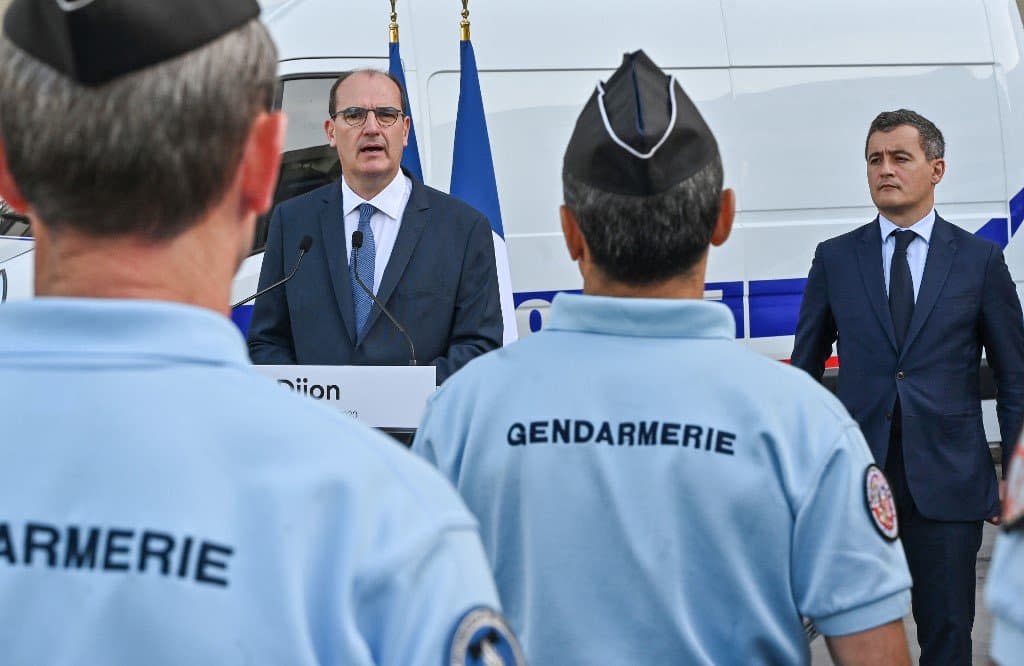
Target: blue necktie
367,254
901,286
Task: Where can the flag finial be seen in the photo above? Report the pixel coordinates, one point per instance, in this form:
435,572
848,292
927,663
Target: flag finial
464,24
393,28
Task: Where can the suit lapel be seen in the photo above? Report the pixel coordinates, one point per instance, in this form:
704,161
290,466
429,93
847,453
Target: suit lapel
414,221
941,250
869,259
332,227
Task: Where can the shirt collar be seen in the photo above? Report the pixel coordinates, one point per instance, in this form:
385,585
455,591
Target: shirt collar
641,317
388,201
923,227
120,328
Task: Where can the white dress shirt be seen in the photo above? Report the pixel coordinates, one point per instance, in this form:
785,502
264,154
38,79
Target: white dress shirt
390,204
917,251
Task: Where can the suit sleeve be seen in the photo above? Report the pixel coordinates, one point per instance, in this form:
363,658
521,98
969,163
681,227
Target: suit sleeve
1002,334
816,327
270,332
476,321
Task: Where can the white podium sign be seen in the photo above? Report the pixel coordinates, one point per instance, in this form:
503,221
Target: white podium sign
381,396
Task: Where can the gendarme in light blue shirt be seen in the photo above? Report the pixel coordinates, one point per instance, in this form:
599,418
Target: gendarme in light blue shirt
162,503
1004,595
650,491
1004,592
917,251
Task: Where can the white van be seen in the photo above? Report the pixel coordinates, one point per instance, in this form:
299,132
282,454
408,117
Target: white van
789,87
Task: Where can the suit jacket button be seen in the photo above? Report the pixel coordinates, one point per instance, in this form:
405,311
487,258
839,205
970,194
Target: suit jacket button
900,375
888,416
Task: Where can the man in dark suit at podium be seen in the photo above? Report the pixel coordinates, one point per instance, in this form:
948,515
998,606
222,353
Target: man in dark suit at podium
912,300
429,258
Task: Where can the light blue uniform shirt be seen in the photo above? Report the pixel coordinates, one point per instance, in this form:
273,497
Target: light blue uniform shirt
917,251
650,491
1004,594
164,504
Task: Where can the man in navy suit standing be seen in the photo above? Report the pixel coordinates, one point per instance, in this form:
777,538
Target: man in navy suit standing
912,300
428,257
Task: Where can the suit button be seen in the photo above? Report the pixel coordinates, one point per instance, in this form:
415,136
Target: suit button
888,416
900,375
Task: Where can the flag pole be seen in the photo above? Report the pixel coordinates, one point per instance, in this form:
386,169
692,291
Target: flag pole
393,28
464,24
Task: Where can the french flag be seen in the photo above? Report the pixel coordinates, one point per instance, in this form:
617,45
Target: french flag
473,175
411,154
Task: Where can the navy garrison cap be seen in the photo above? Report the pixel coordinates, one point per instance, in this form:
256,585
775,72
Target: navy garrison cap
639,134
95,41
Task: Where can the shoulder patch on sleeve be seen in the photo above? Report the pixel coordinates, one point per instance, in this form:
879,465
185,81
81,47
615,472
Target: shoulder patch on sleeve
880,503
1013,502
481,637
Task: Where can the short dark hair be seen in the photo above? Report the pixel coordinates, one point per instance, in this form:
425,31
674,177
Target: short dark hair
641,240
332,103
932,143
147,153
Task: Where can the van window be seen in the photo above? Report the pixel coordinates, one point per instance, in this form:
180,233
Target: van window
308,162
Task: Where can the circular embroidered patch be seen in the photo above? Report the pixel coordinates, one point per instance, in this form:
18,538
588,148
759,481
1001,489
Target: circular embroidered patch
1013,502
881,505
482,638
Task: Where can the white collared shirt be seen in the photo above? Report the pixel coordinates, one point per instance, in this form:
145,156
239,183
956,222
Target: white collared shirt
390,204
917,251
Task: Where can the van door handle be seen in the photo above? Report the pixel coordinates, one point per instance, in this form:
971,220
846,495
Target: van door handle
3,285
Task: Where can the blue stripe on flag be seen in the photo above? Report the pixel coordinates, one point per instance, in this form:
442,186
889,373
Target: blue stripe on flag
473,178
472,165
411,154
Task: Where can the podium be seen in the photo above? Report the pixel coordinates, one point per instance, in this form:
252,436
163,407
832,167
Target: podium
390,398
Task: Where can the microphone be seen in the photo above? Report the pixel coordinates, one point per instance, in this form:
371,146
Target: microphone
357,242
304,245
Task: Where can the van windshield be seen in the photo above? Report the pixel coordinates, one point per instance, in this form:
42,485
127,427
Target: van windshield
308,162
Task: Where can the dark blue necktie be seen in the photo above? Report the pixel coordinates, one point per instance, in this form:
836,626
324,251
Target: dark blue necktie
901,286
367,255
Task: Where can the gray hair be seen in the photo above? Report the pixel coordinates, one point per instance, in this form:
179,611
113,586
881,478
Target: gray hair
147,153
932,143
641,240
333,101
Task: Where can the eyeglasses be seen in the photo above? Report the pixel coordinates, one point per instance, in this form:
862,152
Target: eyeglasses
355,116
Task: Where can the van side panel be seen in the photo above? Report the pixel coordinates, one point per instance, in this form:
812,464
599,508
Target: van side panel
866,32
800,172
1007,47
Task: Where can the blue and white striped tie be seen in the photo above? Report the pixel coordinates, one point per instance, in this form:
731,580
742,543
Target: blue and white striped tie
367,254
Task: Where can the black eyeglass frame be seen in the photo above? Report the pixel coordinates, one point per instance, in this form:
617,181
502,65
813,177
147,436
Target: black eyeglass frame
364,113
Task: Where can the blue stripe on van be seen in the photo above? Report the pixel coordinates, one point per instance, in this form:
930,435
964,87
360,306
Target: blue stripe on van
996,231
1016,212
732,297
242,316
774,304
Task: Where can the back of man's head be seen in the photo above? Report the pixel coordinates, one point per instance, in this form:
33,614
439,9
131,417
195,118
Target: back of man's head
141,141
643,176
